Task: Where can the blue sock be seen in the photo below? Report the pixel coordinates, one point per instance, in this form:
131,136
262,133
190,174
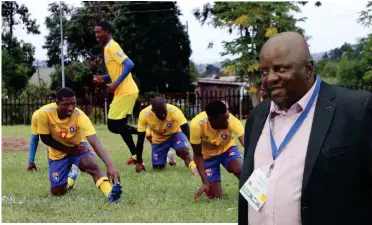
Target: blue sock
34,141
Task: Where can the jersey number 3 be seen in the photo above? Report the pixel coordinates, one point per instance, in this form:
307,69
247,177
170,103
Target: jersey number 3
62,134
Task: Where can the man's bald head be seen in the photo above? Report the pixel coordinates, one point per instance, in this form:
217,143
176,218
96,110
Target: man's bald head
286,68
292,44
159,107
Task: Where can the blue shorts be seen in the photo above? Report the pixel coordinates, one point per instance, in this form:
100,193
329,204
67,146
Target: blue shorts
59,169
160,151
212,165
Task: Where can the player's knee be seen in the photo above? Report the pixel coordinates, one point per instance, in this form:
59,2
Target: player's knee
58,190
183,153
237,170
89,164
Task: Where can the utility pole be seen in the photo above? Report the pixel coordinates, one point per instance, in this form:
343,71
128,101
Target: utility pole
62,59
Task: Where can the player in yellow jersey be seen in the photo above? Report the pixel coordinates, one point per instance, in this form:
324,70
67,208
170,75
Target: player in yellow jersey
34,139
122,85
211,138
170,156
169,129
63,128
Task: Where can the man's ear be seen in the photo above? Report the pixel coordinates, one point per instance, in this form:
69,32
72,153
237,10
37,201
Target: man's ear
309,68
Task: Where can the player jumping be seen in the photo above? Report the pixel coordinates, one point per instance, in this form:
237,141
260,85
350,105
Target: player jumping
169,129
123,86
62,127
213,144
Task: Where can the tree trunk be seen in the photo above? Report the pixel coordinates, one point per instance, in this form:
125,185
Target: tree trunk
255,97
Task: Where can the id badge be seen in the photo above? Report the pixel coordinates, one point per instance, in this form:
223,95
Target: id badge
255,189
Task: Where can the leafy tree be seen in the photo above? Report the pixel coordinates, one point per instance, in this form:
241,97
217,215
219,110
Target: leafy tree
18,56
150,33
254,22
365,16
13,15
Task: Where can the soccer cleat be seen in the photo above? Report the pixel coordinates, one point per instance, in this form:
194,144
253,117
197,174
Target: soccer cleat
115,193
131,161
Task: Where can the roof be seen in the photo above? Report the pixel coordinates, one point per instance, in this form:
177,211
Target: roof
227,80
45,73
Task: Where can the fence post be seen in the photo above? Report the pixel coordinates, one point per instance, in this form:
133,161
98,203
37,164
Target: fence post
240,103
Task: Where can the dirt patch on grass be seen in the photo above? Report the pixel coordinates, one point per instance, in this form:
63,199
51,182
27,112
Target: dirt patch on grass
12,144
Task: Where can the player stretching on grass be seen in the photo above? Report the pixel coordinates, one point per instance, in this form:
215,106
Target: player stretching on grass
62,127
123,86
169,129
213,144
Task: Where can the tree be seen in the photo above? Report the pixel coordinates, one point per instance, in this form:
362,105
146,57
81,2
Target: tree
14,14
18,56
365,16
53,39
254,22
150,33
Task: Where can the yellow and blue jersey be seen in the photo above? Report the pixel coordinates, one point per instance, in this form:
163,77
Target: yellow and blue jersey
214,142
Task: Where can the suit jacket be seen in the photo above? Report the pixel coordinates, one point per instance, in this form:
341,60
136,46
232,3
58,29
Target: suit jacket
337,180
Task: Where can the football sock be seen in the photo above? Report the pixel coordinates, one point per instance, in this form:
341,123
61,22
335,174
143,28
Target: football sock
70,182
104,185
192,165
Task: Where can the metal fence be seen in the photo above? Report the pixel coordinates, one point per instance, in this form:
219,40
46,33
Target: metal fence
16,111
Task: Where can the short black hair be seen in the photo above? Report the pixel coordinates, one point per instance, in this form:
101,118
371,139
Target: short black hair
65,93
215,108
105,26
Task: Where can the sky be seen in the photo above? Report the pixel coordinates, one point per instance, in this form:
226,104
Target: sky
329,26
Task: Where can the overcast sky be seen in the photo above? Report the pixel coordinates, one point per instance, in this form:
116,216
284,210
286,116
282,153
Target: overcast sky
330,25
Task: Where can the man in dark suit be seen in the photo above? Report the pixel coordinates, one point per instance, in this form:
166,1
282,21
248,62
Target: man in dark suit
323,174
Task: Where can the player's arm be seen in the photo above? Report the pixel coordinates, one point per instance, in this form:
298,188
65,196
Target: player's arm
120,57
141,128
97,147
181,119
237,127
195,140
49,141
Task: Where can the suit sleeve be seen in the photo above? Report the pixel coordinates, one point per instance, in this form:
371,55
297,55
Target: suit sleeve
368,134
242,203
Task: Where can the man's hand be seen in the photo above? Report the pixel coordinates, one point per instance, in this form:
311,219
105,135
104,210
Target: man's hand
203,189
140,167
31,166
113,174
112,87
98,79
79,149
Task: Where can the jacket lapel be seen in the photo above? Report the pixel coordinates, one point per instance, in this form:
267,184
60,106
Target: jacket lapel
323,115
257,128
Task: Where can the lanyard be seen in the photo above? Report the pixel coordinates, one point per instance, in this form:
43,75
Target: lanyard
274,149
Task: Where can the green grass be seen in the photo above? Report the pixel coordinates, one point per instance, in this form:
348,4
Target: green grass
162,197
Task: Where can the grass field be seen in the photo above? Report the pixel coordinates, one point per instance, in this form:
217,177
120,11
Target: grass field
162,197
